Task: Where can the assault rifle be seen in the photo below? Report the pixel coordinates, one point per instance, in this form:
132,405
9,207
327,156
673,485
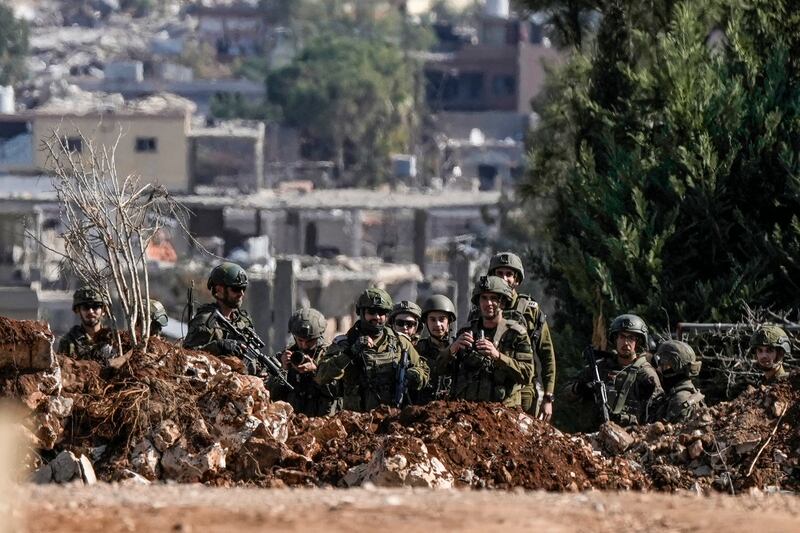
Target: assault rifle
598,385
253,355
402,379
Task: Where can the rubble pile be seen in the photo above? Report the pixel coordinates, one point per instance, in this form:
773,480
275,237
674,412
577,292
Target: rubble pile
750,442
187,416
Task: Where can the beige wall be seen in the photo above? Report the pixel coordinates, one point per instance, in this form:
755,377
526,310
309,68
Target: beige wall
167,165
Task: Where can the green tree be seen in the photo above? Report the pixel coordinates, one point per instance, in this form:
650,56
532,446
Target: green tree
13,46
671,160
352,101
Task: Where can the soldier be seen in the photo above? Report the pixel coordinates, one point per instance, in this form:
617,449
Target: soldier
491,360
537,397
82,339
630,380
158,318
368,359
300,360
438,315
677,365
770,344
227,283
405,318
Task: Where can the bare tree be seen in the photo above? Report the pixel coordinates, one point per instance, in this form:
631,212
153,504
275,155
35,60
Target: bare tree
109,221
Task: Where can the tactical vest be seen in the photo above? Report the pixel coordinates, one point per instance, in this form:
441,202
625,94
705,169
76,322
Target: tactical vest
619,405
377,375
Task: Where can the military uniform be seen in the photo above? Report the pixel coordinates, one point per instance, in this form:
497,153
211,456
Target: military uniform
774,337
677,404
526,311
205,333
308,396
76,343
779,375
368,376
629,387
475,377
430,349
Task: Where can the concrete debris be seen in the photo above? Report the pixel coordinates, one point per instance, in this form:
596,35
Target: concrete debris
614,438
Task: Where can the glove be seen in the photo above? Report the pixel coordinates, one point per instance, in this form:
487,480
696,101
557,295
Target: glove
230,347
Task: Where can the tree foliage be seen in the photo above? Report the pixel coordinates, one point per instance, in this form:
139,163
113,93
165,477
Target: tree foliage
351,99
13,46
670,151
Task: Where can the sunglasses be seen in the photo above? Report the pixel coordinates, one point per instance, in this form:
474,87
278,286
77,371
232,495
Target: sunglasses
238,289
406,323
94,305
376,311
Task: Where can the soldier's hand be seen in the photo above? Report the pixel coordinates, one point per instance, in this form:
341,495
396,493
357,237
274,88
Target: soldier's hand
463,342
230,346
487,348
286,359
307,366
547,410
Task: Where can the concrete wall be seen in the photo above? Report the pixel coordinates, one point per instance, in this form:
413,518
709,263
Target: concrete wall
166,165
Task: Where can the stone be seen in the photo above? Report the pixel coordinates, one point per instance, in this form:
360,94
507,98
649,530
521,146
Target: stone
695,449
59,406
166,435
181,465
87,471
65,467
525,422
779,456
614,438
277,421
745,447
702,471
413,467
129,477
42,475
34,354
326,429
198,368
778,408
145,458
355,475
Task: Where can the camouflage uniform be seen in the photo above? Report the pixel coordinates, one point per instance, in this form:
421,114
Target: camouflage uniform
678,365
430,349
629,388
206,334
76,343
526,311
368,376
308,396
476,377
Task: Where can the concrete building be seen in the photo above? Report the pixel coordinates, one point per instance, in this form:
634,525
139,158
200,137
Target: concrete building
227,154
235,29
151,135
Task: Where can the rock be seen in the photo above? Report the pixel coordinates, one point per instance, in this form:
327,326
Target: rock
779,457
181,465
48,429
145,458
36,353
42,475
614,438
355,475
65,467
777,408
87,471
702,471
326,429
129,477
166,435
745,447
58,406
412,466
695,449
277,421
198,368
261,453
525,422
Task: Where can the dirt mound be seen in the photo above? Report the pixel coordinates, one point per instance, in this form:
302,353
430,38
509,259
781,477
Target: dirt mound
752,441
183,415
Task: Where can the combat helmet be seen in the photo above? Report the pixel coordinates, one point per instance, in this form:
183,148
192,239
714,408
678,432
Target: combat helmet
86,295
157,313
494,285
677,358
439,302
227,274
307,324
632,324
773,336
405,306
507,260
374,298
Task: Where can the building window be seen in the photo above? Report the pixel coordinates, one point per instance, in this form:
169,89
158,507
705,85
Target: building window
146,144
473,85
504,85
73,144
